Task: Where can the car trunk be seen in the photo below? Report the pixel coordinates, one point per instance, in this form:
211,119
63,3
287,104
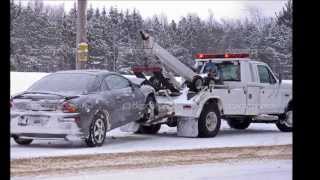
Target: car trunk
37,102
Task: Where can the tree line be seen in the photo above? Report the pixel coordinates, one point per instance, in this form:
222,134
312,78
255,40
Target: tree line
44,38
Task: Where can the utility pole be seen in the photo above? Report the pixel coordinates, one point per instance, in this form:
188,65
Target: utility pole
82,47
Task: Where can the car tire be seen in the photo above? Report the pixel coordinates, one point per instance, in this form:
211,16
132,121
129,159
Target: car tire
239,123
285,122
22,141
150,109
152,129
97,131
210,121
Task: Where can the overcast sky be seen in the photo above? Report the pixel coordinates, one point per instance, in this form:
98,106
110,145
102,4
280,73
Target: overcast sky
176,9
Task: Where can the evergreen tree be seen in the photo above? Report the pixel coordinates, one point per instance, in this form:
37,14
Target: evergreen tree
44,38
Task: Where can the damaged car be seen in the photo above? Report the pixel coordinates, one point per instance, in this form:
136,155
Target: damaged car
78,104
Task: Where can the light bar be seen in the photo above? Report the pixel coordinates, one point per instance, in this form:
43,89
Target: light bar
227,55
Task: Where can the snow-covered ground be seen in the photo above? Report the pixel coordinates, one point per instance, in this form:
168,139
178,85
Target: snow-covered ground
20,81
228,170
117,141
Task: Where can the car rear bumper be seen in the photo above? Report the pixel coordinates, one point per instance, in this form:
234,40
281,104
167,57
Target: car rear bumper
45,125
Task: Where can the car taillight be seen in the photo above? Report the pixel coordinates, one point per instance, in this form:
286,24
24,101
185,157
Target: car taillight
68,107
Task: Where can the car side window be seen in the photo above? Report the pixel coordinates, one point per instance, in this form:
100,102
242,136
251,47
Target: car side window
116,82
264,74
104,85
94,86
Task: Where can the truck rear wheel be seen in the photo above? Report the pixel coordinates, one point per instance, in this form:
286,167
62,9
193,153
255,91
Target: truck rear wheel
209,121
239,123
285,122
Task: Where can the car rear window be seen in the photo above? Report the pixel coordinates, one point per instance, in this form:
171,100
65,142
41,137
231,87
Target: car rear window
64,82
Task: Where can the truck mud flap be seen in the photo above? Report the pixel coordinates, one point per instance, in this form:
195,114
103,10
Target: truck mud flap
187,127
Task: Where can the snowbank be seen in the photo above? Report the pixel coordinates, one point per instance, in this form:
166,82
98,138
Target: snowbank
20,81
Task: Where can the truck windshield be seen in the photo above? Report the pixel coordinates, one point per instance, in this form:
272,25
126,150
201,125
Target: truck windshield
229,71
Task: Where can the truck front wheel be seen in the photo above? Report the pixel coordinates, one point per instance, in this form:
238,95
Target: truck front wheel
209,121
285,122
239,123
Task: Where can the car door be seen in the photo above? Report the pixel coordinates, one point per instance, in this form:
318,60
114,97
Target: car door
111,104
269,90
122,92
138,99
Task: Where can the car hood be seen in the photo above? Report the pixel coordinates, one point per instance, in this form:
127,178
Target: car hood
134,79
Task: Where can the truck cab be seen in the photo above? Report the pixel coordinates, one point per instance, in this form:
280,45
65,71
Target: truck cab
252,87
250,92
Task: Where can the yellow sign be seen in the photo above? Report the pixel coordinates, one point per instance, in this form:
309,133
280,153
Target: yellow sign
82,52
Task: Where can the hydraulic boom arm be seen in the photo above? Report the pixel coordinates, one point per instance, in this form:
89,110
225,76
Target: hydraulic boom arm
172,63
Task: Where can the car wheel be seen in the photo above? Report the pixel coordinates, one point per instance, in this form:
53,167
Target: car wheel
152,129
239,123
97,131
285,122
209,121
22,141
150,109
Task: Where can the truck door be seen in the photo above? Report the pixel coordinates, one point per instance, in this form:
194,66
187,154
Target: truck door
269,90
234,94
253,99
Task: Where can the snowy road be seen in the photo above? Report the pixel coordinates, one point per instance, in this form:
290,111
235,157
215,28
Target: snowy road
117,141
247,169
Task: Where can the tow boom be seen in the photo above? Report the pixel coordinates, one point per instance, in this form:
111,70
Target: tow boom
171,62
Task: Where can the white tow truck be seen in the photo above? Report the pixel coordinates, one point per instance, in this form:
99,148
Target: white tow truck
231,87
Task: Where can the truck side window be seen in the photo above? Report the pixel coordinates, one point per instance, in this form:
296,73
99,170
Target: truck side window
272,79
265,75
230,71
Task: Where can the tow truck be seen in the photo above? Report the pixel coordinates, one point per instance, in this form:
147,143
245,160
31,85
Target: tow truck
238,89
